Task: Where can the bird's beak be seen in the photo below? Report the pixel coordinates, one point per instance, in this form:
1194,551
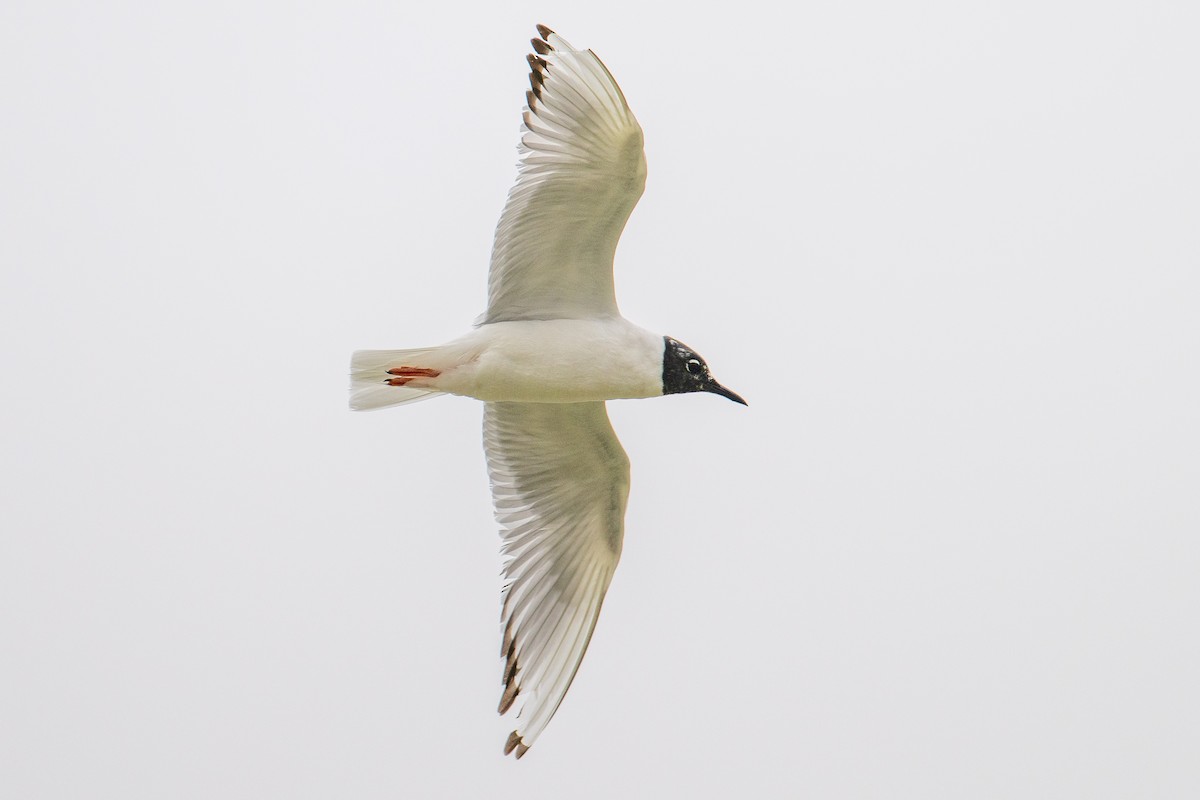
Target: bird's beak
717,388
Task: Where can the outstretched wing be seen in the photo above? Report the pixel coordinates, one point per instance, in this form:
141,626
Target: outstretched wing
581,173
560,480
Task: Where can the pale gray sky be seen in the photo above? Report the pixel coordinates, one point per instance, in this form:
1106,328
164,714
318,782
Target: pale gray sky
949,253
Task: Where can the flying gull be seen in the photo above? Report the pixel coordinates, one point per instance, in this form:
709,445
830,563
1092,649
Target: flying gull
545,356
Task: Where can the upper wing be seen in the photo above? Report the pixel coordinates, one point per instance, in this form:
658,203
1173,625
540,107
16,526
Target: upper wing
560,480
582,171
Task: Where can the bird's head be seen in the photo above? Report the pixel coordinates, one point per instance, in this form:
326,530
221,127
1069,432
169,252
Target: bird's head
685,371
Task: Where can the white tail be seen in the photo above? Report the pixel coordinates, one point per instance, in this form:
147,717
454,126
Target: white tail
369,373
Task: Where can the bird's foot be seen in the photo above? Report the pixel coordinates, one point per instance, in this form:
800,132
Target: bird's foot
406,374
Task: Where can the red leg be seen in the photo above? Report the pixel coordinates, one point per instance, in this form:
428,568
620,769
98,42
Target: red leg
406,374
414,372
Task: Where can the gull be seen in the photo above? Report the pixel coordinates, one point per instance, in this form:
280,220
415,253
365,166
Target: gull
544,357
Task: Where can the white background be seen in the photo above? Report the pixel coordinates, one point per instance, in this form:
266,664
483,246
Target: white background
949,252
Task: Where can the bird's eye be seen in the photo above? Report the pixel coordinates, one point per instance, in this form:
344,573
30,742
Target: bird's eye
694,367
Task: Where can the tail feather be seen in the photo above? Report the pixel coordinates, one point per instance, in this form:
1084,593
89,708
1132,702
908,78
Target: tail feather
368,373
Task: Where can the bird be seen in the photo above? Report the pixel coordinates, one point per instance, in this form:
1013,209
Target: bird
548,352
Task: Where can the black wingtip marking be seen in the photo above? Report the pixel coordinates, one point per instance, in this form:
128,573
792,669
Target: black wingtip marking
543,31
506,700
510,667
509,654
514,743
541,46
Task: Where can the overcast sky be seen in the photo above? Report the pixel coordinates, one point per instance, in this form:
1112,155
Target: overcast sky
948,252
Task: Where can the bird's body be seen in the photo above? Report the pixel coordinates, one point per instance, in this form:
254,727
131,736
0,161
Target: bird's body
548,351
539,361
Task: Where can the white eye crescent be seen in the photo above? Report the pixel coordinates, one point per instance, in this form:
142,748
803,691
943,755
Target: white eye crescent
694,367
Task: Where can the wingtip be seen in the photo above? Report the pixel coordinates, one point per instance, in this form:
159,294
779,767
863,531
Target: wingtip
542,47
506,700
537,77
537,63
543,31
514,743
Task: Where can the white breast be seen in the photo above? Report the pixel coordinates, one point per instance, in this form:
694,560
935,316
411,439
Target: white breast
556,361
